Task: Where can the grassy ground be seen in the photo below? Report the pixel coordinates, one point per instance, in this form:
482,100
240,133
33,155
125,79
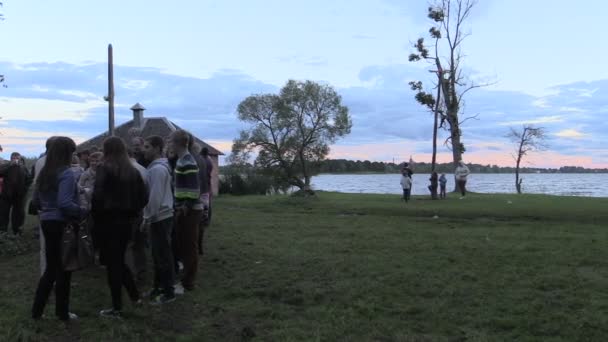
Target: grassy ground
350,267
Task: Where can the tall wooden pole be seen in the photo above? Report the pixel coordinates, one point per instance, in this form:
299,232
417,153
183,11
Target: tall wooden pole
110,92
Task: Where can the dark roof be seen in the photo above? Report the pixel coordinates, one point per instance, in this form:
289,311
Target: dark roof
137,106
160,126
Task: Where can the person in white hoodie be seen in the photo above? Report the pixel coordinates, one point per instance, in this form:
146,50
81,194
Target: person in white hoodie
158,218
406,184
461,173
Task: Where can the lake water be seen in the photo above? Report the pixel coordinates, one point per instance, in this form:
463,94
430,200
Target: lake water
565,184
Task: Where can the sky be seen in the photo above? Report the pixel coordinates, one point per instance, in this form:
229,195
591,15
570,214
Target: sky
194,61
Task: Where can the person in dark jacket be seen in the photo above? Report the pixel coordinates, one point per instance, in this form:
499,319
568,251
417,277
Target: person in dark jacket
119,196
16,182
56,194
188,206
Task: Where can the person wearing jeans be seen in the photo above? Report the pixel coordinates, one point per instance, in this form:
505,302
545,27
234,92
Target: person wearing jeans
119,196
158,218
56,194
188,207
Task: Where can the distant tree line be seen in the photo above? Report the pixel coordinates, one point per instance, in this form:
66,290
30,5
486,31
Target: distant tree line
366,166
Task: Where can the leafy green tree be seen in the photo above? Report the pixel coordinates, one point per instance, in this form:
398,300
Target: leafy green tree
448,34
292,130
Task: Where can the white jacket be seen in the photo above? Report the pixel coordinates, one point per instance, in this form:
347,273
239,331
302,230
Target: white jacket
461,173
406,182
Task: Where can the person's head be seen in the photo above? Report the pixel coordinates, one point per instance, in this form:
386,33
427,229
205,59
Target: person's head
58,158
179,141
49,142
153,148
205,152
461,163
94,149
137,144
95,160
75,160
443,175
115,159
15,157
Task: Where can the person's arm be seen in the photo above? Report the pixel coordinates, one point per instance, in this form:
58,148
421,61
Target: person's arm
66,202
155,182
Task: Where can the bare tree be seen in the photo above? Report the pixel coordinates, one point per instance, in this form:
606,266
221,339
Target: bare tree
529,139
448,33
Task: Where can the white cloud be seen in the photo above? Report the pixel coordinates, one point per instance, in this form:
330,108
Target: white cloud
571,110
540,103
571,133
29,142
78,93
16,108
134,84
541,120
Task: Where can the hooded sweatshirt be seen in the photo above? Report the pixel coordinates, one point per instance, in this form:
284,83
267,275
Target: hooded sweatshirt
462,171
160,203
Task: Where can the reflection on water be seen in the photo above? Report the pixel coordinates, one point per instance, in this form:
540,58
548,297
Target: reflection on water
566,184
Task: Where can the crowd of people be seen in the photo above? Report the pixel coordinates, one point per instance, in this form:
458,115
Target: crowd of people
436,182
154,193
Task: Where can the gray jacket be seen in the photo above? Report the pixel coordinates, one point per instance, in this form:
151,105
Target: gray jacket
159,180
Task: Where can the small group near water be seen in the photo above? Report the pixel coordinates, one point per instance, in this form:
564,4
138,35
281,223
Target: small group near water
154,193
437,182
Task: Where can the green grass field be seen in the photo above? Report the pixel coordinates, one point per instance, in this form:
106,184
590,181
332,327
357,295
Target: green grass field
350,267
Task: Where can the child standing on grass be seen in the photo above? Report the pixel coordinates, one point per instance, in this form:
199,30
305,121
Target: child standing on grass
442,183
406,184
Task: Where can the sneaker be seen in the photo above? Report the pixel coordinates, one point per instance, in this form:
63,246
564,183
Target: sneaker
71,317
152,294
163,299
178,289
110,313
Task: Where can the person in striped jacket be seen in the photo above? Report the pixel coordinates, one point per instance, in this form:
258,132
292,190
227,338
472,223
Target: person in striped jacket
188,206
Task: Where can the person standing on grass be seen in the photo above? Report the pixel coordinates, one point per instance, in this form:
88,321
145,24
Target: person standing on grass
86,184
406,184
442,184
16,181
209,162
38,166
136,250
119,196
188,208
158,220
56,194
203,178
461,173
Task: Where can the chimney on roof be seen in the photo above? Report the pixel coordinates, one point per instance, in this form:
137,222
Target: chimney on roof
138,115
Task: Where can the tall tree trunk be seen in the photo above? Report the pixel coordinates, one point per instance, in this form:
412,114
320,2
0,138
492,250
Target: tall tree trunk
456,144
519,156
434,159
305,175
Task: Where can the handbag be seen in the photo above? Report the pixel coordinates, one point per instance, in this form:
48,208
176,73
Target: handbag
77,247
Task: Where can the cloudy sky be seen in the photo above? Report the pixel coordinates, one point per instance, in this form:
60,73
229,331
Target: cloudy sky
194,61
